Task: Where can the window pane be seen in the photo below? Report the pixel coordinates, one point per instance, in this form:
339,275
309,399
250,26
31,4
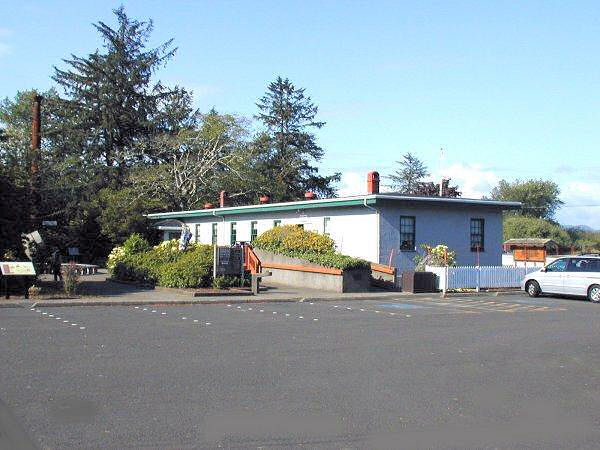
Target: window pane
477,234
233,238
407,233
253,230
326,226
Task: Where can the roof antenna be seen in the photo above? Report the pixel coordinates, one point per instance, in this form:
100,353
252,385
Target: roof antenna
441,173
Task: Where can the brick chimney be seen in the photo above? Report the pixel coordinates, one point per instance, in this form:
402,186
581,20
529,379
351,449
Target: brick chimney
373,183
264,199
310,196
223,199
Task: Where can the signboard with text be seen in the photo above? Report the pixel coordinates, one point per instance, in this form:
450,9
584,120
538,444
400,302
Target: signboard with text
17,268
229,261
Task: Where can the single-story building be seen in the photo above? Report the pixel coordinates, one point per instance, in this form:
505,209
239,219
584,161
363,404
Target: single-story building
385,228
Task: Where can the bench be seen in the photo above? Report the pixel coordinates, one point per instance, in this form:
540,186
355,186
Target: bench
83,269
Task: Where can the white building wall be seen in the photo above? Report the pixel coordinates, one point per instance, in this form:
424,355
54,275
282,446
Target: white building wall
354,229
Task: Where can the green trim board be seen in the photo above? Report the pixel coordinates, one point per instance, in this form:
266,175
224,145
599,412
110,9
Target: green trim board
371,199
267,208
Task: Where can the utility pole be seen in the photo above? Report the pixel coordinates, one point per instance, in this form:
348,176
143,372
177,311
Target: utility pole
34,164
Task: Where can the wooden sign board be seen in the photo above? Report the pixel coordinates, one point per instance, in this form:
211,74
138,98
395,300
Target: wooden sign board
530,254
11,268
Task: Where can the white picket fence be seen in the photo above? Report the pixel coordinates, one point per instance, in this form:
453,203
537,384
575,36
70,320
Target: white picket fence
482,277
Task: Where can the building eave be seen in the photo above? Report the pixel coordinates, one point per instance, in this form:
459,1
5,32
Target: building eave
364,200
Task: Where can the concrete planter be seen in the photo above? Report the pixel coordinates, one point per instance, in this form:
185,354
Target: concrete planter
302,273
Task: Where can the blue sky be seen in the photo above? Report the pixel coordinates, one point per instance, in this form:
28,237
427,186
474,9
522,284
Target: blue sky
508,89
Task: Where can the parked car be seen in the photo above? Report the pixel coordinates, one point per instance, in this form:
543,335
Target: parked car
574,275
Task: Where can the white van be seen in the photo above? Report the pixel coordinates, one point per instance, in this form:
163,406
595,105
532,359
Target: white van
574,275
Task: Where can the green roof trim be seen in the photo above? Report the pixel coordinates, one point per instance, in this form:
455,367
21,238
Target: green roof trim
263,208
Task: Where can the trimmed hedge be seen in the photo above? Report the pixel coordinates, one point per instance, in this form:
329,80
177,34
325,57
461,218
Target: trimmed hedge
295,242
164,265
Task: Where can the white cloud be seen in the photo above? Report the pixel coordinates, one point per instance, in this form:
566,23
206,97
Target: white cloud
582,204
352,183
473,181
581,199
355,183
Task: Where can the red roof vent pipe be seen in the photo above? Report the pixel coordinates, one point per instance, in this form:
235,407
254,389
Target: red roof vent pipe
223,199
373,183
208,205
310,196
264,199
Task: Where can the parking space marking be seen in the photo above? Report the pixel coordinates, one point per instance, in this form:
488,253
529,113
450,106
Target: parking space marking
50,315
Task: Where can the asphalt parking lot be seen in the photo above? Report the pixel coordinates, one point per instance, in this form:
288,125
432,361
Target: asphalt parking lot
497,372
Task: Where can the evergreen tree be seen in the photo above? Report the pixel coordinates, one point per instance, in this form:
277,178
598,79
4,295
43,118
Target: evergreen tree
407,179
112,96
287,148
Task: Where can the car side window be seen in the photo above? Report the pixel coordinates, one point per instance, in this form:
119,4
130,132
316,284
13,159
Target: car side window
560,265
582,265
593,265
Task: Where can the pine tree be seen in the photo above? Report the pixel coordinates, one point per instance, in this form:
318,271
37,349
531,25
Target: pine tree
288,148
112,97
408,177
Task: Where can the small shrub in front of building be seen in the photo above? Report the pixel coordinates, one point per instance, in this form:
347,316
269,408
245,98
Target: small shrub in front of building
70,279
440,255
226,281
296,242
135,244
164,265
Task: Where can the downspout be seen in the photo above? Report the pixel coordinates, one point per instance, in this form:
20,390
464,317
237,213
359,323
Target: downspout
378,228
214,213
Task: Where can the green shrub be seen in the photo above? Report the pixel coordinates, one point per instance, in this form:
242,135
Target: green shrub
164,265
135,244
222,282
295,242
193,269
290,238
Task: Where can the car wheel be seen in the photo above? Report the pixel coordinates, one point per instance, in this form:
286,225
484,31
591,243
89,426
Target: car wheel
533,288
594,293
